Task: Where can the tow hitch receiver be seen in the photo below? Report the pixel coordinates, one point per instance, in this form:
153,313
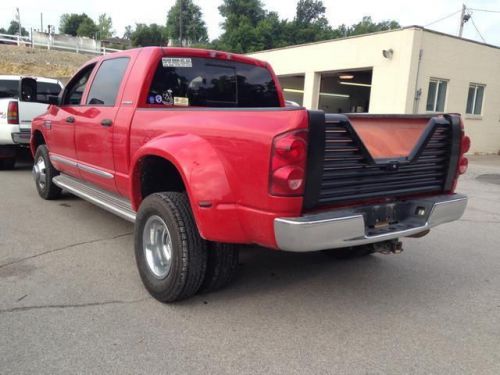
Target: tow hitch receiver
388,247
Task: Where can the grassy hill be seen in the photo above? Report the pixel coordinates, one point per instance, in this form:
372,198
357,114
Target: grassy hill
39,62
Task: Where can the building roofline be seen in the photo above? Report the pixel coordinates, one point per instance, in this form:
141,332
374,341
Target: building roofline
451,36
414,27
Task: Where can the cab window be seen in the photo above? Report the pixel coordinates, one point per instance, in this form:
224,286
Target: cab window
107,82
203,82
76,87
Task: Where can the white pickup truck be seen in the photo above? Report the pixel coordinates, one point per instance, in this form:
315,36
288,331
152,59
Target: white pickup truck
21,99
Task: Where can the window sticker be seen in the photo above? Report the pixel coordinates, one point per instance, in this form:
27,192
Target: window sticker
158,99
168,99
176,62
151,99
181,101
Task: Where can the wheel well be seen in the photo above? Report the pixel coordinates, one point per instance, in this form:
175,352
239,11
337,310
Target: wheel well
158,174
38,139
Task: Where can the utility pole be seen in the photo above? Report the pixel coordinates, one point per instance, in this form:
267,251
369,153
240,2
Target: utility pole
18,16
464,17
180,23
41,22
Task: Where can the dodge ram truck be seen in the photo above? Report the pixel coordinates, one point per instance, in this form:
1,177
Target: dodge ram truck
200,151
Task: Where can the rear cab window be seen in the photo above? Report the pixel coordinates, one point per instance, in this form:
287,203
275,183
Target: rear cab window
46,89
9,88
204,82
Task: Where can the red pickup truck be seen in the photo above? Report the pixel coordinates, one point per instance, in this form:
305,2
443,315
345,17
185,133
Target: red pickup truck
198,149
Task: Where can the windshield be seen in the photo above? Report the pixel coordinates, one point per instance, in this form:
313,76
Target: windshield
9,88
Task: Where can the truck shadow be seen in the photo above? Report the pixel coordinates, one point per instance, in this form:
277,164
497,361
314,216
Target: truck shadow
24,160
284,276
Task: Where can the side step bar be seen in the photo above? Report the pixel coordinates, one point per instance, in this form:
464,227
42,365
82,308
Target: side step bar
106,200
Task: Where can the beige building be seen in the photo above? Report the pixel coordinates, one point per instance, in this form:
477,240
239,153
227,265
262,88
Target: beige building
411,70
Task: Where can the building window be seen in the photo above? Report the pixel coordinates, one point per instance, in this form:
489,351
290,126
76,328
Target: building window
436,96
475,99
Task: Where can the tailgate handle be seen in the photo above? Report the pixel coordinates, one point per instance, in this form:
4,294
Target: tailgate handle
70,119
106,122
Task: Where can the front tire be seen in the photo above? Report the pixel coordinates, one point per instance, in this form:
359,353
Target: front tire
170,254
43,173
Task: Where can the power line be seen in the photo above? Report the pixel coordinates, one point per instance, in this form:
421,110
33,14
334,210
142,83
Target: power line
474,24
442,19
485,10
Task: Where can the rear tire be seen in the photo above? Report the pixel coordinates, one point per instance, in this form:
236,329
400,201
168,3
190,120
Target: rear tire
43,173
170,254
350,252
7,163
222,266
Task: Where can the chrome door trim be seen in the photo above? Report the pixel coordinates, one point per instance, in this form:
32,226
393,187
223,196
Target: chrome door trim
81,166
63,160
97,172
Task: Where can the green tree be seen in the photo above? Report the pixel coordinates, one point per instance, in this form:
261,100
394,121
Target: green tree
310,23
194,30
152,35
366,26
70,24
241,25
87,28
248,27
105,26
14,29
309,11
128,32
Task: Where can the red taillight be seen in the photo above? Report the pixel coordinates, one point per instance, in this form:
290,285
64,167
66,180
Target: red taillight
288,162
463,164
13,113
465,147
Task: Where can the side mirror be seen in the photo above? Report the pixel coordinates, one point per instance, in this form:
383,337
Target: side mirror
28,90
54,100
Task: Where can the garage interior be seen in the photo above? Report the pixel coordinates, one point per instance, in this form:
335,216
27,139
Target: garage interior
340,91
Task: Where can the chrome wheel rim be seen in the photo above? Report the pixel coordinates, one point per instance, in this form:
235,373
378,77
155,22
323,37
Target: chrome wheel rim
157,247
40,172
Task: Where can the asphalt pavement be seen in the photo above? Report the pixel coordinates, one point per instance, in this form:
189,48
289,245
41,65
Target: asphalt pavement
71,300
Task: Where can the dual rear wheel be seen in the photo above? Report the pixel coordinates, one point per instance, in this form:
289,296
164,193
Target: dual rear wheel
174,262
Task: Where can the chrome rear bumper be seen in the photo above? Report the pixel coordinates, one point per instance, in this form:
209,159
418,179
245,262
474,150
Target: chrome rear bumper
21,138
344,228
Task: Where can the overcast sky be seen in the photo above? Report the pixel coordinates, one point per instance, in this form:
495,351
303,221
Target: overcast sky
421,12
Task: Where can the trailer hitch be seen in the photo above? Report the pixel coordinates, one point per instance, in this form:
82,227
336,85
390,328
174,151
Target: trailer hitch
388,247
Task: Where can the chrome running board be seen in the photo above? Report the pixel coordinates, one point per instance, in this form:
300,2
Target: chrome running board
100,197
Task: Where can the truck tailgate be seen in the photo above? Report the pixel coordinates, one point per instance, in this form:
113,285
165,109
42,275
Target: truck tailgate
356,158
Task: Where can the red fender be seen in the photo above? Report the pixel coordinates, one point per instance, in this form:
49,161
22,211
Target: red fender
204,176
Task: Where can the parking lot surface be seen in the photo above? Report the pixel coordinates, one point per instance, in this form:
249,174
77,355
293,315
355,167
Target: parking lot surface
71,300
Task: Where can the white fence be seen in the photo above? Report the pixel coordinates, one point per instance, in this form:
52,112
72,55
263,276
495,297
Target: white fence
57,42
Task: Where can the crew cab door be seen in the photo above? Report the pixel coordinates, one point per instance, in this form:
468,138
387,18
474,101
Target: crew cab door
94,125
60,123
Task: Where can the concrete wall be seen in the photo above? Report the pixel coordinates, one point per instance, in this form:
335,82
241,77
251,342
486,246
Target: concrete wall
66,42
461,63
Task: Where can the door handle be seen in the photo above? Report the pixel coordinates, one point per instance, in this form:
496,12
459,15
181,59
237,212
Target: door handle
70,119
106,122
